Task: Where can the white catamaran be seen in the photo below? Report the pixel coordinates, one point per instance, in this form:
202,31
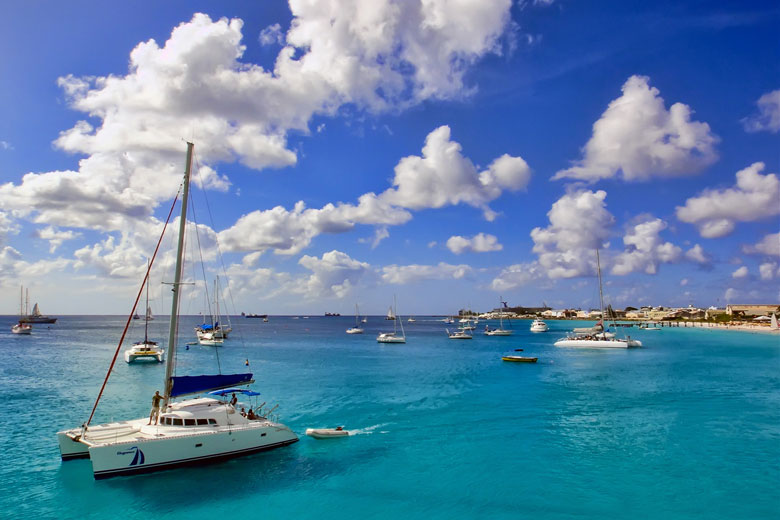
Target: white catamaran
188,432
599,338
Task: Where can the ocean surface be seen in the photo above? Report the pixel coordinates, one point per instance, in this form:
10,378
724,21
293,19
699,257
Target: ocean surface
687,427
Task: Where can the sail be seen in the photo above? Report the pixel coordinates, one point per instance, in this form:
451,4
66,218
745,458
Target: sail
773,323
185,385
36,311
149,313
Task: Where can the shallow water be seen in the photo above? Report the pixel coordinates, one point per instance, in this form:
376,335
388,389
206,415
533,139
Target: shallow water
687,427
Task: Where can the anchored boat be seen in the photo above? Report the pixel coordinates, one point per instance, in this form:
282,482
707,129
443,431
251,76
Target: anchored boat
187,432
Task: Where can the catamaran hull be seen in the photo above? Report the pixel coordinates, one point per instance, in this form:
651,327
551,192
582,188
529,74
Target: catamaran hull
595,343
146,456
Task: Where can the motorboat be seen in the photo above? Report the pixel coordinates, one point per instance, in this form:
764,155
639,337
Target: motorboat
185,432
327,433
411,320
539,326
519,359
459,334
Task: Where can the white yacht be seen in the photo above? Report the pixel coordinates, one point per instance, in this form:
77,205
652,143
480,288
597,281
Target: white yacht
459,334
193,431
597,337
393,337
539,326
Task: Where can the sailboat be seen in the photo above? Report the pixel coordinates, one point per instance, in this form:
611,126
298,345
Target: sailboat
146,349
213,334
599,338
36,316
390,314
21,327
500,331
187,432
357,329
773,323
393,337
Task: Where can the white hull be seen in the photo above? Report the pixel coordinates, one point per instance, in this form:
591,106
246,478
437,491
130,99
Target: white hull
389,337
133,447
326,433
21,329
597,343
498,332
144,352
355,330
539,326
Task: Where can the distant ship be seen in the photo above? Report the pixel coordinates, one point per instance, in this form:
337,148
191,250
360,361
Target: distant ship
332,314
263,316
37,317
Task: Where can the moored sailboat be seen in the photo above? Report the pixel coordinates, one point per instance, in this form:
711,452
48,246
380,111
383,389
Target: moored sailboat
393,337
357,329
186,432
21,327
599,338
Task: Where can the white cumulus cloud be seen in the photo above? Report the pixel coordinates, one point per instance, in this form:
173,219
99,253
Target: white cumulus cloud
479,243
405,274
768,116
55,237
696,254
769,245
768,270
579,224
444,176
715,212
741,272
516,275
639,138
645,250
335,274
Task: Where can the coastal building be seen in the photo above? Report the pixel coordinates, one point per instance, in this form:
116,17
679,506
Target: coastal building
751,310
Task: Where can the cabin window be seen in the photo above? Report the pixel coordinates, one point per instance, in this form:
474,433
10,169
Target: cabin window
189,422
213,421
201,422
167,420
177,422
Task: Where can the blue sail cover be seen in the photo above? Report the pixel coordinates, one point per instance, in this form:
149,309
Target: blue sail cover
184,385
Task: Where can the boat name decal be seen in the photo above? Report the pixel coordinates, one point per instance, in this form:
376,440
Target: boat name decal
138,456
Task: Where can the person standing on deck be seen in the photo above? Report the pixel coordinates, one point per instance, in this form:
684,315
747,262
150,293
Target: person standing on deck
156,398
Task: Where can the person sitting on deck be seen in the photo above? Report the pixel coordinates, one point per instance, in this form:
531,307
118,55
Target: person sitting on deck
234,400
243,412
251,415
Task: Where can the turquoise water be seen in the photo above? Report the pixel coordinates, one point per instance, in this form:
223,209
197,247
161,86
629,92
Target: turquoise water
688,427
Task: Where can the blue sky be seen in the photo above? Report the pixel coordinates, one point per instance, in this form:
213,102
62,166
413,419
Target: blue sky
450,153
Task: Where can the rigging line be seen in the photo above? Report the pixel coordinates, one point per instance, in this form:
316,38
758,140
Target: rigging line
203,269
221,258
135,305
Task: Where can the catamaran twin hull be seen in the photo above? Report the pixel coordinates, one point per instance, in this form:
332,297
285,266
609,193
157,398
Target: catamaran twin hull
132,447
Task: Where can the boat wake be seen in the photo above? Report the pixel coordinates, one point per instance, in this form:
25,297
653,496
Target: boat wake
369,430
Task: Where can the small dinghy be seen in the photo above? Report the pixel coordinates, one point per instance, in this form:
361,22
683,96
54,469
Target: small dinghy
520,359
326,433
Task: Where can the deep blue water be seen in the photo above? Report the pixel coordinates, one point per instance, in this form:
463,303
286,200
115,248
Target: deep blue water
688,427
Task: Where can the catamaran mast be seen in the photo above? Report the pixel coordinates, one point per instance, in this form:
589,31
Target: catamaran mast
601,291
169,362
